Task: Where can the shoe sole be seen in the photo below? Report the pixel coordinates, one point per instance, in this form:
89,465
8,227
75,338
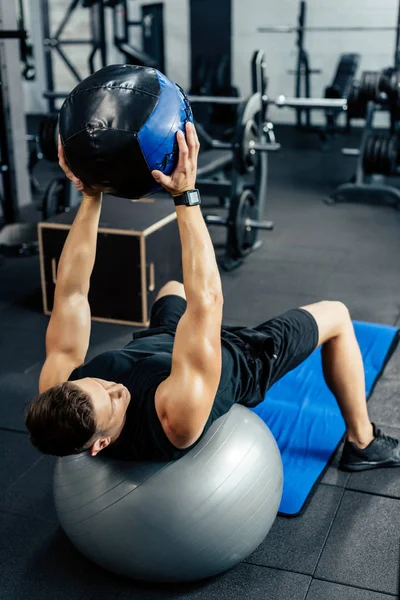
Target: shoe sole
366,466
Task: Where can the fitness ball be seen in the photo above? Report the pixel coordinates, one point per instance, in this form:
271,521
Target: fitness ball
119,124
183,520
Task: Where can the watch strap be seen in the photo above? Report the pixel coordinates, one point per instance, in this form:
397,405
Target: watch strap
186,199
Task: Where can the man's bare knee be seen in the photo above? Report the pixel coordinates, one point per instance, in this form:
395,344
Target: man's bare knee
332,317
172,287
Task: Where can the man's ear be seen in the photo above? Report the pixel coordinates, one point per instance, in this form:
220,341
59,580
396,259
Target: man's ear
99,445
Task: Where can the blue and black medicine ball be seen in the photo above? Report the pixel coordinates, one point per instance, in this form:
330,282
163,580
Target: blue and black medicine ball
119,124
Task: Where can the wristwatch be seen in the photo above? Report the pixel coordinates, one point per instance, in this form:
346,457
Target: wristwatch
189,198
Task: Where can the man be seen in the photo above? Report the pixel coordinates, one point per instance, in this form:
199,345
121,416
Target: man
154,399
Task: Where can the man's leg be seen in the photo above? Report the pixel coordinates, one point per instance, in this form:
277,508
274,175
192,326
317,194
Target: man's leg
343,368
174,288
169,306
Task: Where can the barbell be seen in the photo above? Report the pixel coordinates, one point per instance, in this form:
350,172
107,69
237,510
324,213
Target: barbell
242,223
281,102
325,28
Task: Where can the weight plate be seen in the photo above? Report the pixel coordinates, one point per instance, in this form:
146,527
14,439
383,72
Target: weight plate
243,236
249,155
393,149
247,131
48,137
367,162
54,199
383,156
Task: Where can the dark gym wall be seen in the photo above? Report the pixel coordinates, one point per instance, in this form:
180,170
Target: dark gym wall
211,30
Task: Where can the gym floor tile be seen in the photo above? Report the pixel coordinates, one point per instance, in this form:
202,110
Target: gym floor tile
18,456
280,277
16,391
32,494
24,318
296,544
373,285
268,305
333,591
374,308
362,549
244,581
103,334
333,475
309,255
384,404
20,348
392,369
37,561
20,282
258,297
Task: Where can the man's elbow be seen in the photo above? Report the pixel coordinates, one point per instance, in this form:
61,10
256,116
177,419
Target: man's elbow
208,301
181,435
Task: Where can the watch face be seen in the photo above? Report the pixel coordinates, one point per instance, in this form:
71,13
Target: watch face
193,198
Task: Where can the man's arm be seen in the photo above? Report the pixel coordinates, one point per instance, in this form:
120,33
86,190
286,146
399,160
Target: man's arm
184,400
68,333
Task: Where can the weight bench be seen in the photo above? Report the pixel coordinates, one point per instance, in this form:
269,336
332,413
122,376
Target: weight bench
344,76
341,87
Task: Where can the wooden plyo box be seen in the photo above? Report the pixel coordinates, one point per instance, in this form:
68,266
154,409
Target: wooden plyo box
138,251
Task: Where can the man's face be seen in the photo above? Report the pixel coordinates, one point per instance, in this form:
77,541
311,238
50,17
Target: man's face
110,401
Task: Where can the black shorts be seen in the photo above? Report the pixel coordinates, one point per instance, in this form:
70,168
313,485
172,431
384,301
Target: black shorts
294,335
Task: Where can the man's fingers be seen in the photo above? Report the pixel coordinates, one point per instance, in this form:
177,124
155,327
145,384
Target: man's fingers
162,179
183,152
192,141
63,163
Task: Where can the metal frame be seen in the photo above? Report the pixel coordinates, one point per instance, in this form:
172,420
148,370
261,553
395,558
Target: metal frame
122,26
53,42
15,183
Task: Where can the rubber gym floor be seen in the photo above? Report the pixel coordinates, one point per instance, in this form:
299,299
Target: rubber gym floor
346,545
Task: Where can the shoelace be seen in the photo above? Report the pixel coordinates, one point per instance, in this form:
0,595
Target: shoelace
387,439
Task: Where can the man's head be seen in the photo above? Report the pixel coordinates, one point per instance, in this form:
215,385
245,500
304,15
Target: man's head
76,416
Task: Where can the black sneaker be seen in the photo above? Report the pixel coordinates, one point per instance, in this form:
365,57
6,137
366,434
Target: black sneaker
383,451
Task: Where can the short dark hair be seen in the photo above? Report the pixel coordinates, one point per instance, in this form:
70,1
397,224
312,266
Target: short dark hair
61,420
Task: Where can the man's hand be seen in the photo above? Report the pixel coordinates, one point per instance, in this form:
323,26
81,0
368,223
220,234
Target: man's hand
183,178
80,186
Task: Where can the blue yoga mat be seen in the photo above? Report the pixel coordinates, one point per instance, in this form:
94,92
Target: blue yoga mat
305,419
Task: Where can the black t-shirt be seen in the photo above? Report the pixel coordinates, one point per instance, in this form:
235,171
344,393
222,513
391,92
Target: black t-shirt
146,362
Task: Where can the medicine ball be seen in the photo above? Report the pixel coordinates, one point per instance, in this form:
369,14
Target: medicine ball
119,124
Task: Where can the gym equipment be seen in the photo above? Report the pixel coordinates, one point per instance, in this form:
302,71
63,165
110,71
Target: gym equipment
377,161
247,190
54,42
333,104
341,87
344,76
303,70
380,154
305,419
28,68
125,128
151,25
141,233
180,521
48,137
15,190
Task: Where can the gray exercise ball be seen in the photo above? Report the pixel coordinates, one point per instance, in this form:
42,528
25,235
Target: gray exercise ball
176,521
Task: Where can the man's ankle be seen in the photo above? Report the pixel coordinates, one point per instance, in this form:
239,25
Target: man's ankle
361,438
